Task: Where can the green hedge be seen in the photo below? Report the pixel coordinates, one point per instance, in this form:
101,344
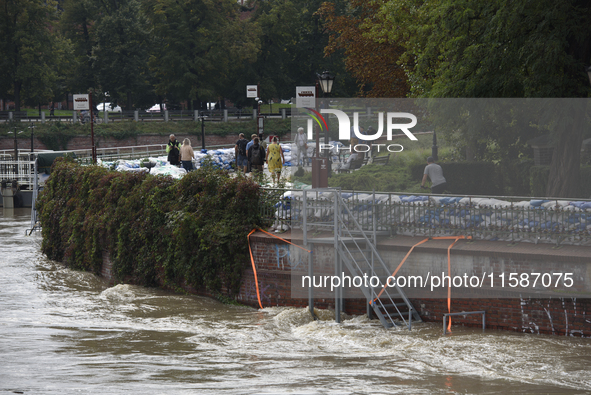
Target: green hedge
159,231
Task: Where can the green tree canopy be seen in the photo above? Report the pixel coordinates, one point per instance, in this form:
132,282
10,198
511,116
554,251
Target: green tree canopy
29,52
197,44
500,48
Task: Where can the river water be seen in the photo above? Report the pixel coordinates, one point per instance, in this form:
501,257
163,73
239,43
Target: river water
63,331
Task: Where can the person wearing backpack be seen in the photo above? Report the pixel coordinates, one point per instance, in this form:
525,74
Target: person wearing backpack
240,153
250,143
256,156
173,148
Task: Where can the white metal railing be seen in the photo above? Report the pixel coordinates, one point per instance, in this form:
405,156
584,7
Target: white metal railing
23,171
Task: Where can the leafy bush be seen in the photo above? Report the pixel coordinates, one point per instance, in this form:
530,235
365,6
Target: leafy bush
158,231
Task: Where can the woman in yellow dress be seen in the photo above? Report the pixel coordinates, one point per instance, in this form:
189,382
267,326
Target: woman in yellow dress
275,159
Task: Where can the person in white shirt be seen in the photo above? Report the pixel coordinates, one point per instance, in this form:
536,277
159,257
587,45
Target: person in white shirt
301,141
435,174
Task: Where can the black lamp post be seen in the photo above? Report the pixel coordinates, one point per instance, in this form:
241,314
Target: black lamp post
32,127
326,81
202,119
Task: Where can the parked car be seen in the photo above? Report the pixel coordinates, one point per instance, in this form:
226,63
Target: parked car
156,108
109,107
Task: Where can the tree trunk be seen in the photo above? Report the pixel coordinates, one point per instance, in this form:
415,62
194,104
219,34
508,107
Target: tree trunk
17,95
563,180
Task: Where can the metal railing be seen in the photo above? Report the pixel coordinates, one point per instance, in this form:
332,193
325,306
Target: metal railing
23,170
513,219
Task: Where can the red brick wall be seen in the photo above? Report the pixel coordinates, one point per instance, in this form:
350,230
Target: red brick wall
559,316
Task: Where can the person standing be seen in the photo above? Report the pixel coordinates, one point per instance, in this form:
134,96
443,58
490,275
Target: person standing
435,174
187,155
240,153
256,156
250,143
262,142
275,159
173,149
301,142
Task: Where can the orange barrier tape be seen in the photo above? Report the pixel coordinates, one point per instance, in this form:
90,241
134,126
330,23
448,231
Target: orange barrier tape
455,239
254,269
449,274
398,268
277,237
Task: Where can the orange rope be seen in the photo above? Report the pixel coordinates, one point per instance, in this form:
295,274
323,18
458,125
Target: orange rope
455,240
256,281
398,268
277,237
449,275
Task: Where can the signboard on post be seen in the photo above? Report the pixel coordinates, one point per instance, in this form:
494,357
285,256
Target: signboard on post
252,91
81,102
305,96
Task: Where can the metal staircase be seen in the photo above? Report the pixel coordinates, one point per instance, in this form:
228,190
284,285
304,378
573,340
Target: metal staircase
355,251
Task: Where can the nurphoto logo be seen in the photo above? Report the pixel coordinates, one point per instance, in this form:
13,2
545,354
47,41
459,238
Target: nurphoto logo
345,129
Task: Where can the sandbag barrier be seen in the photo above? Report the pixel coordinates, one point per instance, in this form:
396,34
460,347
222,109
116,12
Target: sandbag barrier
484,218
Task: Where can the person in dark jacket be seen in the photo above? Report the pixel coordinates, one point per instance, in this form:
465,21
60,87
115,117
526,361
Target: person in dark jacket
173,148
256,156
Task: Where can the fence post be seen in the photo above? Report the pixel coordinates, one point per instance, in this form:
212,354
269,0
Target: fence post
136,116
74,116
196,115
10,116
42,116
283,113
166,116
254,114
225,115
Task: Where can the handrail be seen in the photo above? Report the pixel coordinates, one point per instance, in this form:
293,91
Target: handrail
508,220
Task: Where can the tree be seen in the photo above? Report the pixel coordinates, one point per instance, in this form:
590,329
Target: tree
373,59
77,22
121,50
27,49
500,48
197,43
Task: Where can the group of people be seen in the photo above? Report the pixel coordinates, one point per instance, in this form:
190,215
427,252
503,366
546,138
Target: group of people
252,155
180,154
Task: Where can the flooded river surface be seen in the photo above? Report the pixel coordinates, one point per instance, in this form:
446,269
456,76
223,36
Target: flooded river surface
63,331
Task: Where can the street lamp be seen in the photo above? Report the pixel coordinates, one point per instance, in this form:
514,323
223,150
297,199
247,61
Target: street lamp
32,127
326,81
202,119
15,143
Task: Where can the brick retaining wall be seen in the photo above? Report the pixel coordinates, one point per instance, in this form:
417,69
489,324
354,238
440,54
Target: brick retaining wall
557,316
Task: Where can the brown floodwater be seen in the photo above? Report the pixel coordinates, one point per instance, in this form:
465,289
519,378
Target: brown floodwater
64,331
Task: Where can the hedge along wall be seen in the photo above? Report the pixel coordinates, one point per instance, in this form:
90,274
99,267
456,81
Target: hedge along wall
158,231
